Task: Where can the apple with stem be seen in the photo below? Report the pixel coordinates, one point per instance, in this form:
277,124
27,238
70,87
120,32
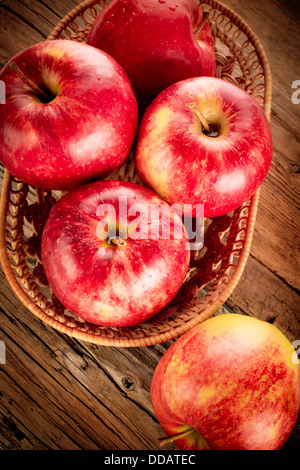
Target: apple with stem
204,141
157,42
70,115
114,253
230,383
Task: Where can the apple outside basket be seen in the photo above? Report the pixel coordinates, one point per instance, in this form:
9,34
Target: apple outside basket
214,270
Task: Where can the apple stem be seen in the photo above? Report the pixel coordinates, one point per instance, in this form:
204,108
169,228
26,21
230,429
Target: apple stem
201,26
165,440
28,81
118,241
200,116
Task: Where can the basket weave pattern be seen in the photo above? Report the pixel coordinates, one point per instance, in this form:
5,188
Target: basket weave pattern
214,271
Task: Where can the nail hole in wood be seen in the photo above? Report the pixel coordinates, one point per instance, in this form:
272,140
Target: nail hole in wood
128,383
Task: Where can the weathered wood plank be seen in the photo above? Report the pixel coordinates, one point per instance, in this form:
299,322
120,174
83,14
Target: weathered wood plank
24,23
261,294
276,236
277,228
15,35
57,393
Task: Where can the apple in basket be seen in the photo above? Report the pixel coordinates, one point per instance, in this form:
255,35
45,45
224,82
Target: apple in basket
204,141
231,383
70,114
157,42
114,253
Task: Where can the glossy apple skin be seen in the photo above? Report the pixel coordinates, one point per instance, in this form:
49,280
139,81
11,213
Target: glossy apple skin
105,284
232,378
154,42
85,133
176,159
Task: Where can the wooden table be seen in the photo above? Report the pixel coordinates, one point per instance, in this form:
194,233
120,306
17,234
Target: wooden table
60,393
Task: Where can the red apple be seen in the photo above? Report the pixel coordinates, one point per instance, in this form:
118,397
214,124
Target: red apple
157,42
204,141
70,115
231,383
108,255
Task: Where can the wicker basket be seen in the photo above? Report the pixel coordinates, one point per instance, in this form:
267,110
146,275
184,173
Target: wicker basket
214,271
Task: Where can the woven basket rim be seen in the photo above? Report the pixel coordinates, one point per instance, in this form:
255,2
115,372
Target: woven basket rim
176,331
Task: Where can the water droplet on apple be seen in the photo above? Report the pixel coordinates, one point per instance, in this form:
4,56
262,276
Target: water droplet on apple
172,8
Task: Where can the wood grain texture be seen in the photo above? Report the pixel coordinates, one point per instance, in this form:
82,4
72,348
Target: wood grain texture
59,393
